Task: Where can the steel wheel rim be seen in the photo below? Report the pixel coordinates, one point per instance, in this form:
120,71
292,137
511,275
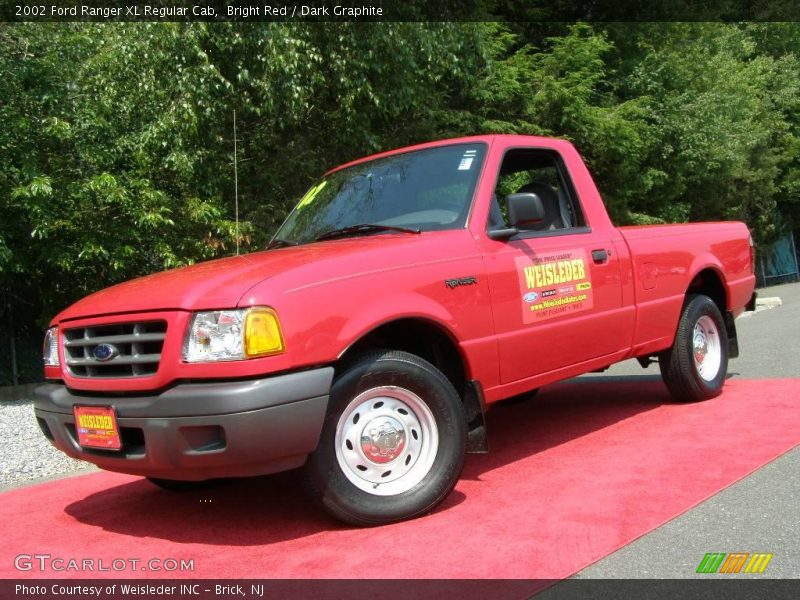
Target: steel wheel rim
386,440
706,348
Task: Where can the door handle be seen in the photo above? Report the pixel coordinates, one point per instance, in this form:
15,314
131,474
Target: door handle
600,256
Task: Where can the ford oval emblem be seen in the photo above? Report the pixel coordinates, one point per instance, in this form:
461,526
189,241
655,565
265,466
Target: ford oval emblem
104,352
530,297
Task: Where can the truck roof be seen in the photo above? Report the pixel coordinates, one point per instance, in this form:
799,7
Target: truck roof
527,140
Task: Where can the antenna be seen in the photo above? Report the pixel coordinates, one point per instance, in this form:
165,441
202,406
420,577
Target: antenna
236,182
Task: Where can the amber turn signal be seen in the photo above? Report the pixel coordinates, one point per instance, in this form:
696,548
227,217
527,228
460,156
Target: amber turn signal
262,333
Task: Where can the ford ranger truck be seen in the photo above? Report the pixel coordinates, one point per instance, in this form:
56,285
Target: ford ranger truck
404,293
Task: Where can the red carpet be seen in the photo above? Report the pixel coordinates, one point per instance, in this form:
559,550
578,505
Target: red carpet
574,474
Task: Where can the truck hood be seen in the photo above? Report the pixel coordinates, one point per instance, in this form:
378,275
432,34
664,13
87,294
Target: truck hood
222,283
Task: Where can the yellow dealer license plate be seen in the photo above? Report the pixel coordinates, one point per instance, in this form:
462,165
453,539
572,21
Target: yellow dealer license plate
97,427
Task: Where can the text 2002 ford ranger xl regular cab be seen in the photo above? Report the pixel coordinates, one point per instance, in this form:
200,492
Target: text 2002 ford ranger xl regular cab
404,293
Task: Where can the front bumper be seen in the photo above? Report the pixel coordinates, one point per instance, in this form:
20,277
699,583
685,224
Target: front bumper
197,431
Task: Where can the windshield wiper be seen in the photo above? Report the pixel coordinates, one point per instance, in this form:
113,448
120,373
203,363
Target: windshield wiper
362,228
279,243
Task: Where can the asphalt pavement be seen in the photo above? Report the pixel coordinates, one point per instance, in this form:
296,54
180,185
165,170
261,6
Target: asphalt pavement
760,513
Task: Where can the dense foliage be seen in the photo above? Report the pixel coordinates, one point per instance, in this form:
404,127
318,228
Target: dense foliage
116,145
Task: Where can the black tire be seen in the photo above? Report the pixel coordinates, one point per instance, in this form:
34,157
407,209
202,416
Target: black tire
176,485
396,377
679,369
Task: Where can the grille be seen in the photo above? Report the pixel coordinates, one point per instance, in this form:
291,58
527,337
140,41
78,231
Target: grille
134,349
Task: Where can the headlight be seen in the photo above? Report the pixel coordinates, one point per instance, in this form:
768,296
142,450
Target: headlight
233,335
50,348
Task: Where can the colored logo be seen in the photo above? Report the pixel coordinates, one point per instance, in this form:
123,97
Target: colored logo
104,352
583,286
547,293
530,297
735,562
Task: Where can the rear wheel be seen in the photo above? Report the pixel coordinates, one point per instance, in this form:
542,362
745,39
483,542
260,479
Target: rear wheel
696,365
393,443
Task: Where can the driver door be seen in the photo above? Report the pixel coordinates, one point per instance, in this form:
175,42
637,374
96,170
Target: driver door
556,290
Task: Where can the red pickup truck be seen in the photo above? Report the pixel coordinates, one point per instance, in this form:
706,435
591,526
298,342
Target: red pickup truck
404,293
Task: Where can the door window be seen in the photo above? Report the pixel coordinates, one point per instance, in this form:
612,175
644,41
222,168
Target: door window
539,172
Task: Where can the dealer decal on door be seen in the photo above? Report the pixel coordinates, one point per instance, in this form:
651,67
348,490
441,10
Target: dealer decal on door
554,285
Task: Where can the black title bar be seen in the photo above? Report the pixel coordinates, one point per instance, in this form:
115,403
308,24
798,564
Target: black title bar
399,10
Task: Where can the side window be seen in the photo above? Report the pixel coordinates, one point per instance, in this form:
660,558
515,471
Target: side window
539,172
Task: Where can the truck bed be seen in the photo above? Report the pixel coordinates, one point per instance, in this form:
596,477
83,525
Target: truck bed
662,257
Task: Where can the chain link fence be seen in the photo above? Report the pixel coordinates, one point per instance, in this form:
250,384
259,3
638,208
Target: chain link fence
778,263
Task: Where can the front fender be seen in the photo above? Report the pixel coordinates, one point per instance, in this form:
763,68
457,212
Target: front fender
400,306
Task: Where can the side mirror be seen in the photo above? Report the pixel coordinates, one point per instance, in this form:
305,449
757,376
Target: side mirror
524,210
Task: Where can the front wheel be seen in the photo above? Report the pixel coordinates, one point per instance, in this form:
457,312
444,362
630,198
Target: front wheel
696,365
393,442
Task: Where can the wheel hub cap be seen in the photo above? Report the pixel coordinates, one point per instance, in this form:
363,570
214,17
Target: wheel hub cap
706,348
700,346
383,439
386,440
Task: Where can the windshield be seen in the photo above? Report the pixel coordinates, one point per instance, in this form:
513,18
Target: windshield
424,190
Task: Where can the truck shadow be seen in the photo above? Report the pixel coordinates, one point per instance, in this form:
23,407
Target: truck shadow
562,413
272,509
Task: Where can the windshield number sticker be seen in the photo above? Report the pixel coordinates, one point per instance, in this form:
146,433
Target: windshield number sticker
466,160
312,193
